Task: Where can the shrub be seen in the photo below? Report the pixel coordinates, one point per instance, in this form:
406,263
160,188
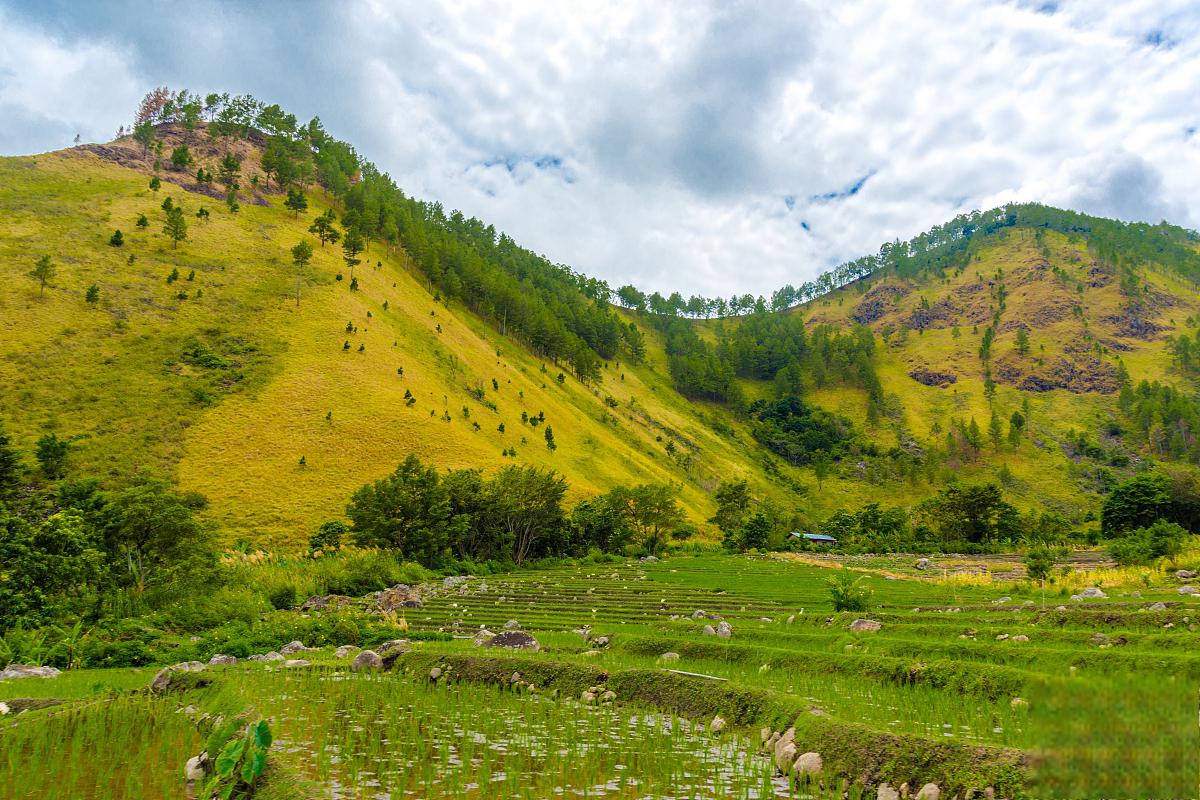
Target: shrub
847,592
328,537
283,597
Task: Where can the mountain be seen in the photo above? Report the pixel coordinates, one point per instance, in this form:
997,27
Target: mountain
200,359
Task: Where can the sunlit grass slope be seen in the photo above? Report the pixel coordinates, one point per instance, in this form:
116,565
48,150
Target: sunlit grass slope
222,382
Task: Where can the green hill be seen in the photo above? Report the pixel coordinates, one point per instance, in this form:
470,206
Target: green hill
196,361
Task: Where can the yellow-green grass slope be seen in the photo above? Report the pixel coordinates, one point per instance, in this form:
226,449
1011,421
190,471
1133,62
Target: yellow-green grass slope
1069,330
224,384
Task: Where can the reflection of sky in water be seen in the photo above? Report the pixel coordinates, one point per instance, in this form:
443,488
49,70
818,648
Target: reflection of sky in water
467,750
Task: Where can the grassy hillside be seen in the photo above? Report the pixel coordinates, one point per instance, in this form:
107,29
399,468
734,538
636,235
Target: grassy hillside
276,412
224,383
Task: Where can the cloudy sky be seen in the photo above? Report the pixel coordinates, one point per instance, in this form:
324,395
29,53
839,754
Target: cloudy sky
707,148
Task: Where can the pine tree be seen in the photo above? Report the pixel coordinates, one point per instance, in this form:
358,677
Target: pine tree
1022,343
995,431
301,254
175,226
43,272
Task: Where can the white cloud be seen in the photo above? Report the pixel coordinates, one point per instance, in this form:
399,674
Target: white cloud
708,148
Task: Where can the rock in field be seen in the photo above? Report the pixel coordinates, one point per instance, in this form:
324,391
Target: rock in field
4,709
271,656
220,660
785,755
865,625
483,636
293,647
669,656
296,662
514,640
454,581
698,614
195,770
886,792
922,563
929,791
1157,607
1185,574
1188,590
808,764
709,630
345,650
1020,637
1091,591
397,597
167,677
17,671
717,725
366,661
724,629
512,625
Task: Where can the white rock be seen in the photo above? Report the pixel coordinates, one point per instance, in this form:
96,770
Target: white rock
365,661
1188,590
724,629
3,709
865,625
668,656
886,792
717,725
17,671
345,650
929,791
296,662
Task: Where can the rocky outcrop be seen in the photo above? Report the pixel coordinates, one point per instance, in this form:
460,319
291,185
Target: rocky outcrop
931,377
17,671
513,640
865,626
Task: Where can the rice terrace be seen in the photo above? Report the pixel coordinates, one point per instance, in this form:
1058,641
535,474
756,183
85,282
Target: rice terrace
634,478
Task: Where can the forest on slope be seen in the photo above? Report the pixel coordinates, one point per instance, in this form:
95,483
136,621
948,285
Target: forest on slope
1045,351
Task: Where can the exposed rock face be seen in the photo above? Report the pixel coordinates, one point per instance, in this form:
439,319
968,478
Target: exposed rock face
878,301
366,661
865,626
515,640
17,671
931,377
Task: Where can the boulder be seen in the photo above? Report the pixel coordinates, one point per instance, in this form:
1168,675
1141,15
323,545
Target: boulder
168,677
999,601
1000,637
865,625
393,646
220,660
771,741
785,755
1185,574
1188,590
717,725
345,650
512,625
698,614
808,764
17,671
724,629
608,696
669,656
1098,638
196,768
1020,637
923,563
602,641
454,581
291,663
929,791
399,596
709,630
648,560
483,636
326,603
1158,607
271,656
4,709
296,646
886,792
366,661
514,640
1089,592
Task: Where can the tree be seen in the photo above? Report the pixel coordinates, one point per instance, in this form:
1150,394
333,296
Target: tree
599,523
51,455
93,294
978,514
10,465
323,229
1022,343
408,511
43,272
652,511
1135,503
301,254
822,466
143,134
181,157
525,504
229,171
995,431
733,505
1038,563
328,537
152,536
296,202
352,245
549,436
155,184
1016,424
175,226
117,239
755,533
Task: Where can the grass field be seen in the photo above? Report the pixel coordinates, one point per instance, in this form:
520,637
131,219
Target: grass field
1063,698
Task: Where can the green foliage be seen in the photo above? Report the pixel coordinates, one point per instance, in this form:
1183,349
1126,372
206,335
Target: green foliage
283,597
1143,546
1039,561
976,514
176,225
799,432
117,239
181,157
1135,503
296,202
847,592
328,537
43,272
240,762
51,453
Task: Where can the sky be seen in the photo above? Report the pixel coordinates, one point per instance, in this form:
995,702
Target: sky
710,148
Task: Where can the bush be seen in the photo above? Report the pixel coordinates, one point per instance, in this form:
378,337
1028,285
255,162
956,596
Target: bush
848,593
1139,547
283,597
346,631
